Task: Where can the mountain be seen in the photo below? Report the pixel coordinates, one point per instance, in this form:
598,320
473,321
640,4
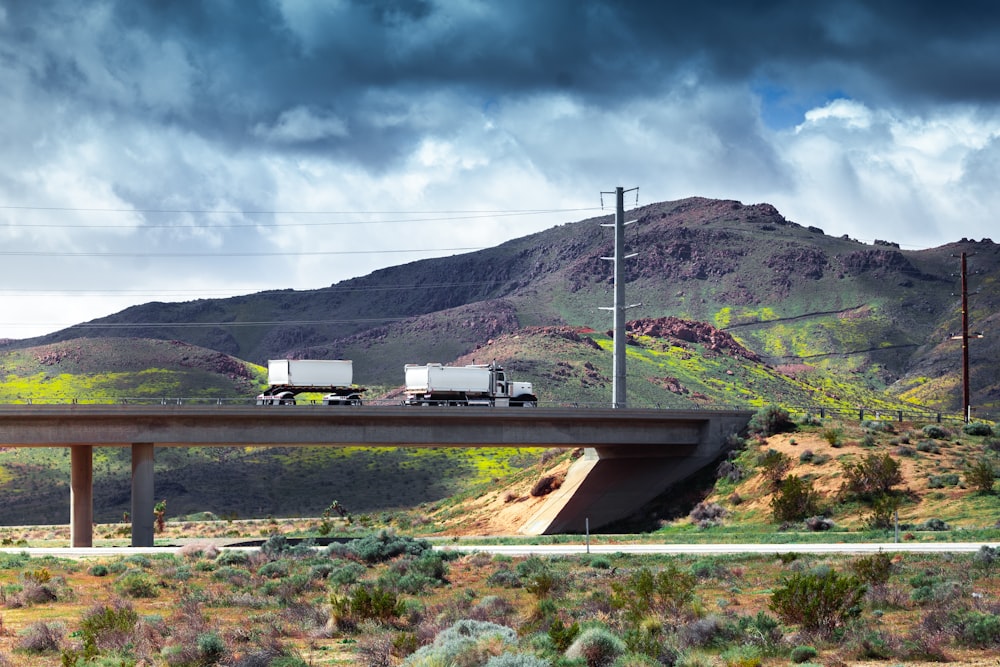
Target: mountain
828,312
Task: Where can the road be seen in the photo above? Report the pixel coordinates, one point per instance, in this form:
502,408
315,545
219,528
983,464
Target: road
576,549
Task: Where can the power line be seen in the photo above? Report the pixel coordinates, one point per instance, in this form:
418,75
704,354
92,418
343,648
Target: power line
443,216
50,253
14,292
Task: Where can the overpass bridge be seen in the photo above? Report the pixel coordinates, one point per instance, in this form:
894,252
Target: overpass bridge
631,455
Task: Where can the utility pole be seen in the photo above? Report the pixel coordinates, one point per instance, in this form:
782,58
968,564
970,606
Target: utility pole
964,336
966,408
618,380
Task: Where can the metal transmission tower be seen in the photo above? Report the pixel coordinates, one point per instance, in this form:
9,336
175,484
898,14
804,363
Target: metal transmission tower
618,382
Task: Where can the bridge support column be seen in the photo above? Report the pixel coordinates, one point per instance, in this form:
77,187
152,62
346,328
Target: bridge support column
81,496
142,494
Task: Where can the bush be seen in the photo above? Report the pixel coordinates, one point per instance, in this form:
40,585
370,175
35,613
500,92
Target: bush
980,476
817,601
99,570
232,558
597,646
941,481
872,476
928,447
774,465
517,660
873,570
668,591
135,584
546,485
385,545
795,499
41,637
707,513
802,654
978,429
978,629
935,432
770,421
465,642
883,512
819,523
806,456
934,524
878,426
109,627
832,436
366,603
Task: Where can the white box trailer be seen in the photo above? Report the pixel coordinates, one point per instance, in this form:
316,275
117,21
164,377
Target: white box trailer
435,384
310,372
288,377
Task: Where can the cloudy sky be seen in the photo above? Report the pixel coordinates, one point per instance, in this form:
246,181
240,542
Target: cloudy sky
167,150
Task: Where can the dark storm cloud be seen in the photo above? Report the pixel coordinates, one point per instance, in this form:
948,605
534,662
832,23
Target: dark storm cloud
239,66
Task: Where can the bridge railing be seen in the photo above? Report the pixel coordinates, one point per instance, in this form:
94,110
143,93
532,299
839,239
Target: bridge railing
861,413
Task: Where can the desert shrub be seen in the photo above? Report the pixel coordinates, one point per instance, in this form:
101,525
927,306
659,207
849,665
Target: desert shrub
941,481
346,573
385,545
976,629
978,428
928,447
833,436
211,648
667,591
992,444
935,432
464,644
878,426
708,568
137,584
517,660
563,635
774,465
872,476
98,570
706,513
41,637
234,576
545,485
709,631
933,591
819,523
366,603
873,570
802,654
866,643
760,630
638,660
904,450
985,557
795,499
597,646
817,601
868,440
233,558
882,512
980,476
504,578
729,471
276,569
934,525
109,627
806,456
770,421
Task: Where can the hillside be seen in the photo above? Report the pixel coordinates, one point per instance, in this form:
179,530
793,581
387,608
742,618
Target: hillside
873,315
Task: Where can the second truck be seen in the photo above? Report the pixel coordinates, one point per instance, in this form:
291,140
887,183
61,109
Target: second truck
435,384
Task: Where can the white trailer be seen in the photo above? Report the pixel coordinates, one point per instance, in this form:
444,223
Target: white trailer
288,377
435,384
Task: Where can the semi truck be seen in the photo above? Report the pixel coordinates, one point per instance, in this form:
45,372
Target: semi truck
332,377
435,384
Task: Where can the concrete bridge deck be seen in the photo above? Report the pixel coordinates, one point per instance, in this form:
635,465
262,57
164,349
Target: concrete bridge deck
632,455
